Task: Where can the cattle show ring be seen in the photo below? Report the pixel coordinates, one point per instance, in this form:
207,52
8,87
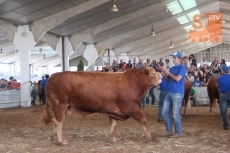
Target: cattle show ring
85,130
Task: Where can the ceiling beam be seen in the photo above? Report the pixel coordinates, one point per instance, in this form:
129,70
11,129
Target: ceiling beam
40,27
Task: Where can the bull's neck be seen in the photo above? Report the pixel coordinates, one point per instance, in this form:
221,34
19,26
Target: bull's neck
143,81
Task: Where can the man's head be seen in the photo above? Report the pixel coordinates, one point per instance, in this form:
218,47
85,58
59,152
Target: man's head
177,56
225,69
47,76
204,59
189,74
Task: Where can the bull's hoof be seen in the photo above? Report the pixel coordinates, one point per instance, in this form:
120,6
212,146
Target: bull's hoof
112,140
148,139
64,142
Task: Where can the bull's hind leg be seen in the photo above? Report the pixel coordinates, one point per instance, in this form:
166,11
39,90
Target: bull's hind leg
137,115
212,100
59,116
113,123
54,133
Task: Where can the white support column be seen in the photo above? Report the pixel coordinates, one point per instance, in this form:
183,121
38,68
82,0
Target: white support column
68,52
90,54
24,41
59,50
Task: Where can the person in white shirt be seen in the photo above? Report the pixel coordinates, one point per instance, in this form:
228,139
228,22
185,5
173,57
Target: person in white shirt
203,62
190,77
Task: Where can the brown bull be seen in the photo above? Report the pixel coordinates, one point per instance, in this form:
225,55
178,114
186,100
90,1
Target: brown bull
187,91
114,94
213,92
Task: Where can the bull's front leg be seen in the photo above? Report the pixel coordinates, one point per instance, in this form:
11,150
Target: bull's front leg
137,115
113,123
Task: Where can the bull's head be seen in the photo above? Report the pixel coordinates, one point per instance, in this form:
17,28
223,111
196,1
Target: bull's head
156,76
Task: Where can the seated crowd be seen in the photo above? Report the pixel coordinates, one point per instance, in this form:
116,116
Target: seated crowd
8,85
199,76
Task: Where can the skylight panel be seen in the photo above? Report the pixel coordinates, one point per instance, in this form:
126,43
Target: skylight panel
183,19
174,7
192,14
187,4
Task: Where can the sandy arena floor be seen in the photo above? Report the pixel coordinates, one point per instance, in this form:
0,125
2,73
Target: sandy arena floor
22,131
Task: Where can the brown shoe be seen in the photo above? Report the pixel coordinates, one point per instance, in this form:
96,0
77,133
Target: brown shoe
167,135
175,136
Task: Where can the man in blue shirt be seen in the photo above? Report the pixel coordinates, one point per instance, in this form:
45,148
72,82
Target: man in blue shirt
224,87
43,85
174,98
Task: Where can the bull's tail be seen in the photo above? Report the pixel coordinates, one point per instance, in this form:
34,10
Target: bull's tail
46,115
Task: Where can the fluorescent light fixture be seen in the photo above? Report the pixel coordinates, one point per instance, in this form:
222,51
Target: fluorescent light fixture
174,7
187,4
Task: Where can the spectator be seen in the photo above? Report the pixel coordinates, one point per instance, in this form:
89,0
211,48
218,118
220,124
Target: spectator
161,62
123,68
151,92
205,82
129,64
154,63
167,64
147,63
164,88
114,65
107,68
15,85
203,62
199,73
193,97
139,65
120,64
34,90
190,77
3,86
215,68
197,82
192,71
44,83
193,60
222,63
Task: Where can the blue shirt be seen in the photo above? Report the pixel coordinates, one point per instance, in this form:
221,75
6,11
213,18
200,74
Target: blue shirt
224,83
197,84
44,82
139,65
164,85
174,86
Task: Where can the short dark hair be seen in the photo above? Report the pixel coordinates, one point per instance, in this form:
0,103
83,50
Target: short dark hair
47,76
